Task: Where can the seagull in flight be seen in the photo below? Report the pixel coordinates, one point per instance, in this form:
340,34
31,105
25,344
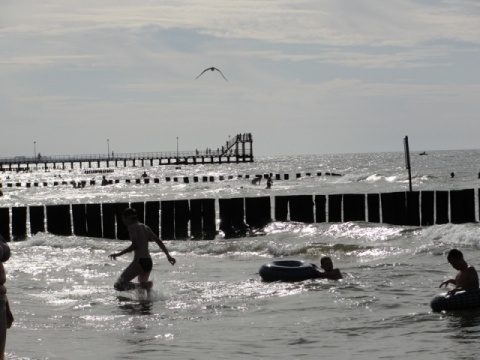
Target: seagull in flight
212,69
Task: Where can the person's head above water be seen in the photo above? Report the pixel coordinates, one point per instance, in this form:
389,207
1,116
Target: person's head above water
455,258
130,214
454,254
326,263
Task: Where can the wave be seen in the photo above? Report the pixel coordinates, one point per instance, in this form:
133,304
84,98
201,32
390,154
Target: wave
348,242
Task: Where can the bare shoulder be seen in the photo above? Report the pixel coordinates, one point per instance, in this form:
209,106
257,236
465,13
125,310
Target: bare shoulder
335,274
472,270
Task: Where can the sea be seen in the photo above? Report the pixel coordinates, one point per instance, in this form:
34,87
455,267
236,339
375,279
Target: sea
212,304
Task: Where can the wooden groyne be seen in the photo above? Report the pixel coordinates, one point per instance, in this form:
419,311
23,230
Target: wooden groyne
166,179
238,149
197,218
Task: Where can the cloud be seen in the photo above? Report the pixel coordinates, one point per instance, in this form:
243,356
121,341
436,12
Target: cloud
292,65
327,22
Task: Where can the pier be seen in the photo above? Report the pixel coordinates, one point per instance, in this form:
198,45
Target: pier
238,149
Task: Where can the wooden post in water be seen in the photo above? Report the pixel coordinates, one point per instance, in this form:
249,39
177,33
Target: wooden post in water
196,225
58,220
413,208
258,211
37,219
209,224
335,208
182,217
373,206
441,202
19,222
152,216
167,219
462,206
394,208
301,208
427,207
281,208
79,215
122,231
353,207
407,161
5,223
320,212
94,220
108,220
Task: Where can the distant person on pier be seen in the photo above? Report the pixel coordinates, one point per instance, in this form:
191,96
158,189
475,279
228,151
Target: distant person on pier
452,174
104,181
144,174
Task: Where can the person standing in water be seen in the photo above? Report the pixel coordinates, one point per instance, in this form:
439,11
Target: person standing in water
141,266
6,316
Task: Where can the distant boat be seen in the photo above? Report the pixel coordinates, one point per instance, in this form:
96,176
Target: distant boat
423,153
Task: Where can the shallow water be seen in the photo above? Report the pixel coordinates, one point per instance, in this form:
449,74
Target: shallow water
212,303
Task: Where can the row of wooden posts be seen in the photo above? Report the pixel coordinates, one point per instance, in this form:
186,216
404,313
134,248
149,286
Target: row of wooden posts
197,218
148,180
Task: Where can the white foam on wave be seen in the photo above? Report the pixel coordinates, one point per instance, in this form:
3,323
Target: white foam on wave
454,235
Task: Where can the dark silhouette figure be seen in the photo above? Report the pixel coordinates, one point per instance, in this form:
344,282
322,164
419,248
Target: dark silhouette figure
211,69
452,175
269,182
104,181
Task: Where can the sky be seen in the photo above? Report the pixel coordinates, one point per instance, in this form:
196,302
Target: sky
304,77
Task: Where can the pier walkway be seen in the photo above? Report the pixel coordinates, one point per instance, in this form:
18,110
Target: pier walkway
238,149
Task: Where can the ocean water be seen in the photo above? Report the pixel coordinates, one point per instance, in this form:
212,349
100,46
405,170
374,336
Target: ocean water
213,305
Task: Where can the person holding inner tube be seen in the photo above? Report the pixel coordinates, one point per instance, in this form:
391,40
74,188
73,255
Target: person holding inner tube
6,317
467,277
329,272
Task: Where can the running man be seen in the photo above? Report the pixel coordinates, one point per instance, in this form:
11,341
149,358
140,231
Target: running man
141,266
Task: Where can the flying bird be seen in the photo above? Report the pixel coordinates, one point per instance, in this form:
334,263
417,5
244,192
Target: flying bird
212,69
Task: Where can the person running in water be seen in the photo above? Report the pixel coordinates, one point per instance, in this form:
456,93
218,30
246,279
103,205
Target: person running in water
141,266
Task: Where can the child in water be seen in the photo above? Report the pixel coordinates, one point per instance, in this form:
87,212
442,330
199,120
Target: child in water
328,272
467,277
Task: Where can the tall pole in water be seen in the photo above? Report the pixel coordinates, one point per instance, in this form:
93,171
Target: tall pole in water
35,153
407,161
177,149
108,148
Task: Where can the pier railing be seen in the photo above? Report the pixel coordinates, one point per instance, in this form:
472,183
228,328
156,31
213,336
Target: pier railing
106,157
238,217
237,149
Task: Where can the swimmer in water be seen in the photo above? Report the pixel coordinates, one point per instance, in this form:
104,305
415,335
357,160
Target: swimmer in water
328,272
